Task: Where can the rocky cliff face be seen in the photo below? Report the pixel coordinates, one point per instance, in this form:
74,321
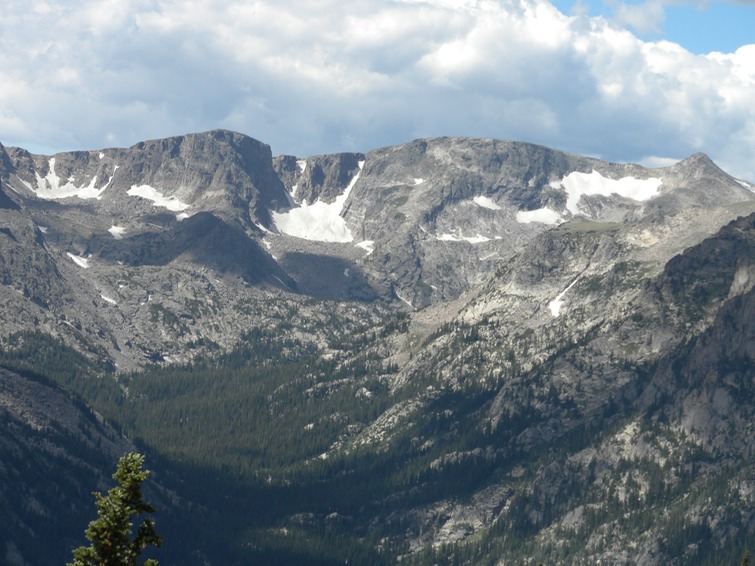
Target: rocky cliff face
321,177
626,398
418,224
555,348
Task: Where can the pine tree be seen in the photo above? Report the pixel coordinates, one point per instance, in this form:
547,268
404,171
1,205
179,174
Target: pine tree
110,534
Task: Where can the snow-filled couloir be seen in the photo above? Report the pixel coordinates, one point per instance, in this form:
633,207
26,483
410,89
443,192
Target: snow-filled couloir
318,221
51,187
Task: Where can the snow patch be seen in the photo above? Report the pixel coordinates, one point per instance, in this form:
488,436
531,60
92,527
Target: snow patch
367,245
577,184
43,229
318,221
556,304
50,187
262,228
182,216
78,260
364,393
108,299
746,185
408,302
117,231
157,198
346,272
101,155
418,181
302,163
541,215
460,237
279,280
486,202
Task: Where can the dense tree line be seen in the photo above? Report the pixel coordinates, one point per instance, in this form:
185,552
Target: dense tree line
241,434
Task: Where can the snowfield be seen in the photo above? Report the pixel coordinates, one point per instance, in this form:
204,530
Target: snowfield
367,245
542,215
50,187
460,237
117,231
577,184
319,221
157,198
486,202
556,304
78,260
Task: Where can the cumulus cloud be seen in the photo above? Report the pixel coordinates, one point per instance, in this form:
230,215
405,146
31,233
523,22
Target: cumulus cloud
318,77
646,18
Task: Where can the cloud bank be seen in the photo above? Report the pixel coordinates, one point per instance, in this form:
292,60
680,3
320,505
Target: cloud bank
320,77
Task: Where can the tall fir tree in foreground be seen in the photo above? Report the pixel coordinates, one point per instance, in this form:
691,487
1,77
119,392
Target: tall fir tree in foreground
110,534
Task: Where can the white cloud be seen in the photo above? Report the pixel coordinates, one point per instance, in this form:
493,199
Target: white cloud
312,77
646,18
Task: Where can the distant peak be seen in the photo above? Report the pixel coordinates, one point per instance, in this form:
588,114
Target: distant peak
698,158
220,133
216,135
700,162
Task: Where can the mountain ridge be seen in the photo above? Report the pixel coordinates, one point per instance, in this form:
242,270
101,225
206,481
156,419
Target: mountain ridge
414,215
454,347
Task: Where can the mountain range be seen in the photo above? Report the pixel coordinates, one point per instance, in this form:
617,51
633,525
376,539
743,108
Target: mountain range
454,350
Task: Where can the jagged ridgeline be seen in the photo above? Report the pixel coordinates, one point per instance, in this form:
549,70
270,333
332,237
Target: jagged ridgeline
451,351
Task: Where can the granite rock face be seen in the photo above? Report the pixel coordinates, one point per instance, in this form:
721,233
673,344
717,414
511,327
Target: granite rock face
579,330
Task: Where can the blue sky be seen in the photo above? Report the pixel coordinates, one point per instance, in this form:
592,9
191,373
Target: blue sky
700,27
649,82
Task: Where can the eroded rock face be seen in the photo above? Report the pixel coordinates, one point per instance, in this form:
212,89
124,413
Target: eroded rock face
507,300
418,224
321,177
636,373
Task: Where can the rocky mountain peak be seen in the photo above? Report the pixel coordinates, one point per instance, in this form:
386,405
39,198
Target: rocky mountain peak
418,224
320,177
501,340
212,169
699,159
